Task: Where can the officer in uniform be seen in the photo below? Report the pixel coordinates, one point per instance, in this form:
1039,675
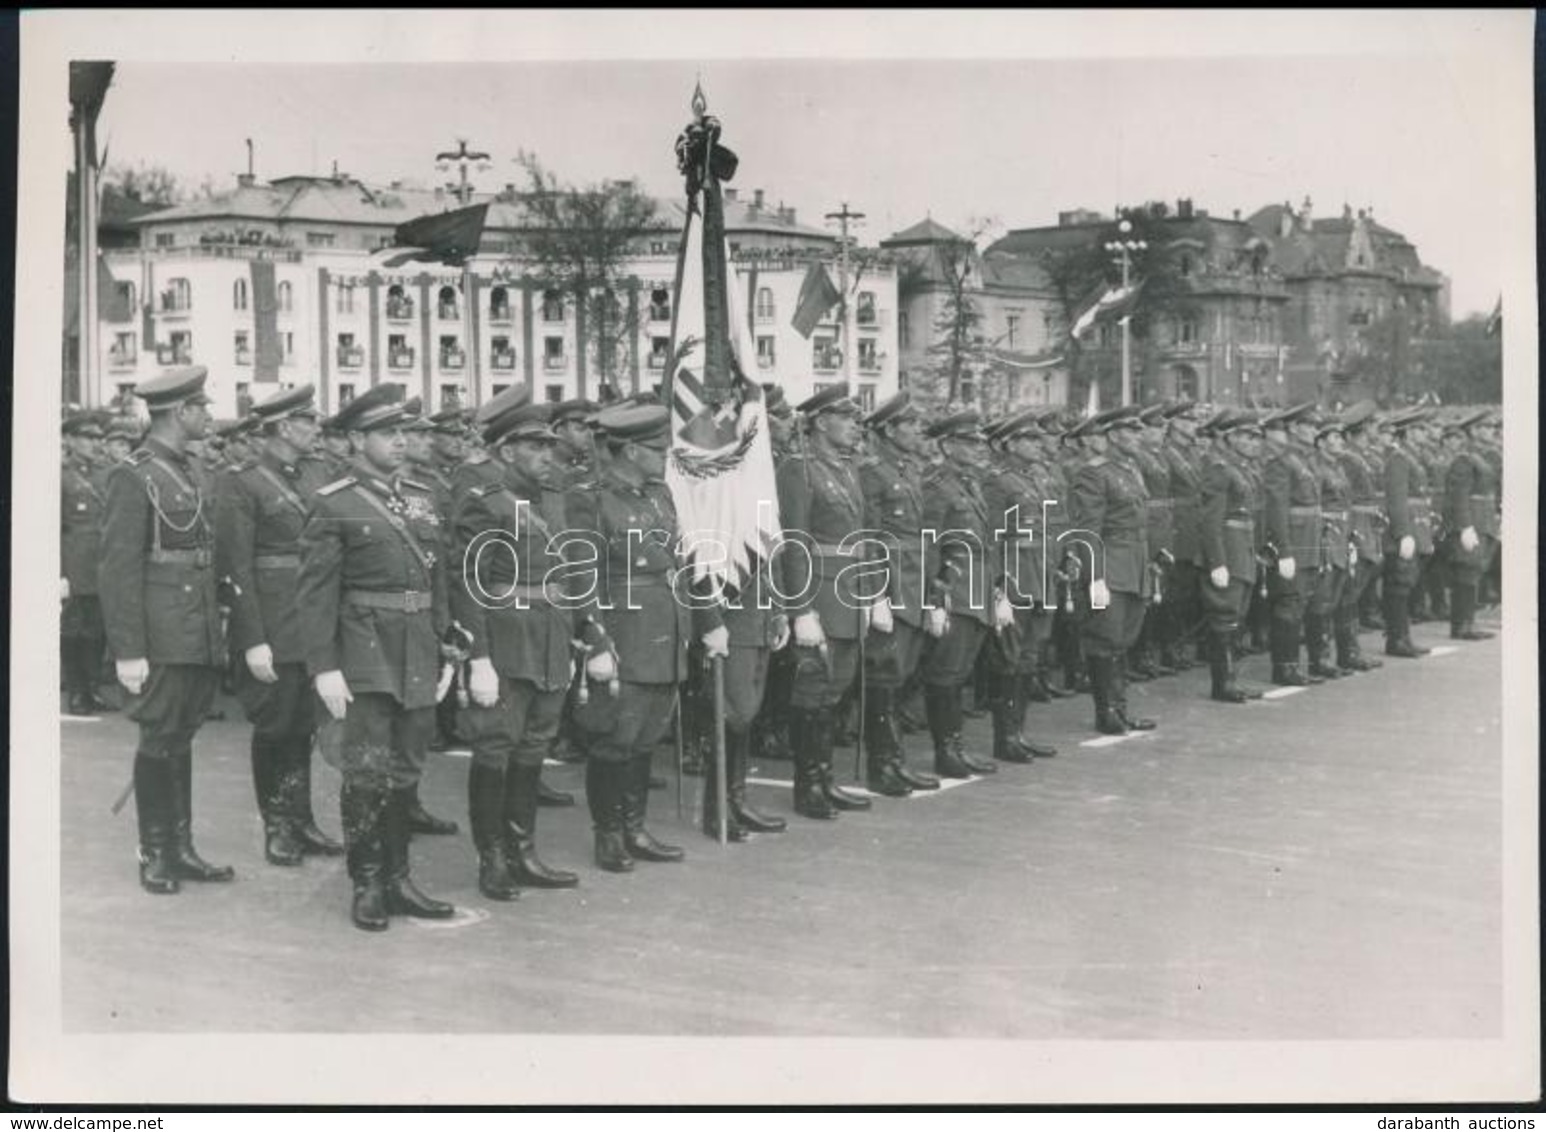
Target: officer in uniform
1292,506
373,607
1365,526
821,502
1182,597
1108,501
507,598
80,517
158,593
1069,579
637,632
1429,596
770,730
262,508
893,500
1159,518
1226,551
121,436
1471,522
335,453
1339,553
448,442
1409,510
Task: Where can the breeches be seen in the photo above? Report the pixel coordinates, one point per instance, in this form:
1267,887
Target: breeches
951,661
639,715
283,709
379,744
518,730
1106,632
171,707
821,683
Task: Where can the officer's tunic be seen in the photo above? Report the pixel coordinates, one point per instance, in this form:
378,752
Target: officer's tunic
1292,514
1226,533
970,569
893,500
1470,500
1108,502
1409,509
1014,493
80,518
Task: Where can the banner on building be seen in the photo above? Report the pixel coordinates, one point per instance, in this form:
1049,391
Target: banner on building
818,295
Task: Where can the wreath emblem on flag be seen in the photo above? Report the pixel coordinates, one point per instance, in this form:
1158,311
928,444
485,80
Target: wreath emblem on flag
698,467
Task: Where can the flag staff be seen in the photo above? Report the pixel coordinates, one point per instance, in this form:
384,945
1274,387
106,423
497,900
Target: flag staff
843,216
1123,248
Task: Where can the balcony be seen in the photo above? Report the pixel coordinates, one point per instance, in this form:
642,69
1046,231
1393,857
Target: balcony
765,361
399,310
400,358
552,312
351,357
828,361
243,355
660,313
122,359
170,305
453,359
869,364
501,316
1185,350
174,356
656,361
502,360
555,363
448,312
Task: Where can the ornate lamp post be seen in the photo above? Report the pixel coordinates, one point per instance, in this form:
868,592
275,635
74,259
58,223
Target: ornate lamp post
463,157
1123,248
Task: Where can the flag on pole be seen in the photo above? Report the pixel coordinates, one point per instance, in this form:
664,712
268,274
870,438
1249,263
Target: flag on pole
442,237
818,295
1495,319
720,469
1115,302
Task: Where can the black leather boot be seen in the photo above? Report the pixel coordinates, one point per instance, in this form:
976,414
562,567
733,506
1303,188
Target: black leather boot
734,831
156,806
916,779
280,844
485,812
1107,720
1462,624
363,813
1315,648
185,858
737,754
303,819
521,800
1117,694
606,812
809,728
1022,705
839,797
403,897
1006,724
640,842
421,820
1221,666
547,796
944,710
880,742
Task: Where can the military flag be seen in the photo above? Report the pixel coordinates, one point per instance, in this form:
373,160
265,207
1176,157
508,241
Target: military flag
1114,302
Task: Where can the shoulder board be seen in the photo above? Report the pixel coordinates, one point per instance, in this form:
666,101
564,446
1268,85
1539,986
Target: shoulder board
337,485
139,456
868,461
1096,462
415,484
480,490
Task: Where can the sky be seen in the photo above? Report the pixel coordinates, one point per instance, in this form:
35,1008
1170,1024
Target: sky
1011,142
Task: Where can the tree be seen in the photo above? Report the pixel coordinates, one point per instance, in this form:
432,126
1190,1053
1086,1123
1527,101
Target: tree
150,184
959,353
1464,365
581,241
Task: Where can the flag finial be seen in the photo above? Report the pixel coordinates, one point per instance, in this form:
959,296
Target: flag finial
700,104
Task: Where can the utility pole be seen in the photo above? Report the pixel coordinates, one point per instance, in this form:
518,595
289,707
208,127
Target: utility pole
463,190
1123,247
464,157
845,336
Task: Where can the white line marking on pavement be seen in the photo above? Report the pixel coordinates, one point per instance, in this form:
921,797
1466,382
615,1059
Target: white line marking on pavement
456,752
1279,693
945,784
464,918
1444,650
1105,740
79,719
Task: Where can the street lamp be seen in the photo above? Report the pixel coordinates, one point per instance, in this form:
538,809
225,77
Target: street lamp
464,157
1123,248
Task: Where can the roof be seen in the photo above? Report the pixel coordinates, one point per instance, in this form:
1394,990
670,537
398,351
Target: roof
926,231
1326,246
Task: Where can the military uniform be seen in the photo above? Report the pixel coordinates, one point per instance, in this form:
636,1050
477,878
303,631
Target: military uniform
1365,525
770,730
1409,509
1226,538
1292,510
262,510
81,500
158,593
372,602
1470,511
1339,558
1157,635
1182,595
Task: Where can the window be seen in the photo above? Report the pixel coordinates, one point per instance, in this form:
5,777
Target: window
501,354
1049,326
123,351
287,341
125,396
446,304
552,306
1011,328
399,306
499,305
451,355
286,298
319,239
553,354
239,295
1187,330
349,355
555,392
660,305
178,351
1186,265
824,353
968,391
867,396
450,396
399,353
765,307
869,356
243,349
345,393
766,356
166,240
904,330
660,350
1107,335
346,298
865,311
178,296
129,295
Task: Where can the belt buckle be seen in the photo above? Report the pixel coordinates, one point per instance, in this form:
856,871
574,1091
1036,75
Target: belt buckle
415,601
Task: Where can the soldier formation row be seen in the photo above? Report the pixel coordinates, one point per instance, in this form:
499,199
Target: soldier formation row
325,567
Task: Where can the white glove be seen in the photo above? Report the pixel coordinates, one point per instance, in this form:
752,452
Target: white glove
64,589
260,662
334,691
880,616
601,667
1287,569
936,622
807,631
1469,539
482,682
780,631
1003,612
1100,594
132,674
1219,576
1407,547
717,642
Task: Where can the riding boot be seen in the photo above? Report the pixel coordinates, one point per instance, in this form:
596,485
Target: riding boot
185,858
737,756
809,728
304,820
421,820
734,831
1221,665
840,798
1349,654
1117,694
548,796
882,761
944,710
1285,655
363,813
1006,723
403,897
1462,617
156,805
606,811
1107,719
276,799
640,843
1022,682
485,813
1315,648
519,811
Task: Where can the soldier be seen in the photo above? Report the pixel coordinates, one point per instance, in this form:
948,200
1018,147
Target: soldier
1292,507
448,442
122,437
1339,554
80,516
1108,503
1471,521
1183,457
335,452
1062,463
893,498
505,540
238,443
821,501
1159,519
1368,443
637,632
1410,535
158,593
1226,550
263,507
1488,444
770,730
1365,525
373,607
1429,596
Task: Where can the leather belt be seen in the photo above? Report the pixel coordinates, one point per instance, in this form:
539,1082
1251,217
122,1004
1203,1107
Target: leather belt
1339,516
405,601
199,558
1305,512
277,561
1423,499
549,592
835,550
1367,509
1240,524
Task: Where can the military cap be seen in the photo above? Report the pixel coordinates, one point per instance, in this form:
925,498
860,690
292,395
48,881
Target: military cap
452,420
82,424
578,409
1191,410
778,405
893,411
296,402
1122,416
964,425
1216,420
376,408
1016,424
1356,416
125,428
414,419
232,429
649,425
1291,415
1228,420
1152,415
525,422
174,387
833,399
1472,418
1406,418
512,398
